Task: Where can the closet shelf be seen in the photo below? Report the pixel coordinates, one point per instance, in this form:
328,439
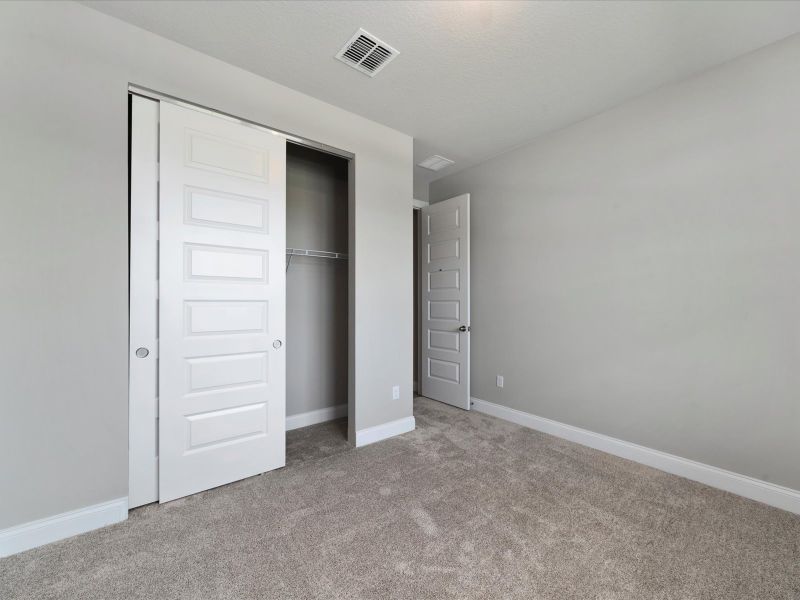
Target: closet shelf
315,253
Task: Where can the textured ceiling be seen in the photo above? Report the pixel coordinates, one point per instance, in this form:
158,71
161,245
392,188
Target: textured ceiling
473,79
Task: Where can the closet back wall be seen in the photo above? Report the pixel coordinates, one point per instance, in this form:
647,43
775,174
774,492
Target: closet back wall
316,288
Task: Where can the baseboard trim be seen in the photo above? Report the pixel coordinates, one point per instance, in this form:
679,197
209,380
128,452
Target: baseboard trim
370,435
51,529
742,485
313,417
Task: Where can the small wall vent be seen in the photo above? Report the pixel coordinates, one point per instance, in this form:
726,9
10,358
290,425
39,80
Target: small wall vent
366,53
435,163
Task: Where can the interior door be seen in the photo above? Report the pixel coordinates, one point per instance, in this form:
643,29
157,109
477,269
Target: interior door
222,313
444,301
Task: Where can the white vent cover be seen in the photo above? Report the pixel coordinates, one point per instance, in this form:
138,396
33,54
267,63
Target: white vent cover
436,163
366,53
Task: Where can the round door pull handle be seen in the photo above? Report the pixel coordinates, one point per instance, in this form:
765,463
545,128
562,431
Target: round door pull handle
142,352
463,328
277,344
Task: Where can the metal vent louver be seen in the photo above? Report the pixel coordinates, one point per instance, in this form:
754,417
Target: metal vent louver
366,53
435,163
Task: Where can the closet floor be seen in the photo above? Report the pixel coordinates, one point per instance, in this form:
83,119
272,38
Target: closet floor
466,506
316,441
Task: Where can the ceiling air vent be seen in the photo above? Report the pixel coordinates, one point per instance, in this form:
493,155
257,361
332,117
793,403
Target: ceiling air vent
366,53
436,163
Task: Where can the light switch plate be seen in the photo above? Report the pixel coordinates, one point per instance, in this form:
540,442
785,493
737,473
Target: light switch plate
499,381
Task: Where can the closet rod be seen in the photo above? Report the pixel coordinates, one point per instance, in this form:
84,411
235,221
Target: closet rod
315,253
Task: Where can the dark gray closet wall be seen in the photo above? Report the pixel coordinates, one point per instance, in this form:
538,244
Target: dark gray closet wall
316,288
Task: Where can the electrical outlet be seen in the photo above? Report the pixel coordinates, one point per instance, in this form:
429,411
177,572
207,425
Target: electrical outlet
396,392
499,381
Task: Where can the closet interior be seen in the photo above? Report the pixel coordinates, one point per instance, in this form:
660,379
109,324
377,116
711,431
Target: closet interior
317,287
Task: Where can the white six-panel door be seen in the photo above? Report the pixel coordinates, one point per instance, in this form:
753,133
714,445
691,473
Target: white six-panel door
222,301
444,307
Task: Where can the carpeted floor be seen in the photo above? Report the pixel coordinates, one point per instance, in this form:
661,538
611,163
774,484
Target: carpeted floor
466,506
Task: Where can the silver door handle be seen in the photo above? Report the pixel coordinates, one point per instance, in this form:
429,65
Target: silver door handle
464,328
142,352
277,344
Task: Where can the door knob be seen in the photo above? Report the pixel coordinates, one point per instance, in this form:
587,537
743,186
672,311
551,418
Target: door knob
277,344
142,352
463,328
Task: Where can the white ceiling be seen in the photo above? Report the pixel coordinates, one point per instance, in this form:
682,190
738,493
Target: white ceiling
473,79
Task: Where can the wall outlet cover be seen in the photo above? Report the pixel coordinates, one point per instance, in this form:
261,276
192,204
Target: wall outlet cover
500,381
396,392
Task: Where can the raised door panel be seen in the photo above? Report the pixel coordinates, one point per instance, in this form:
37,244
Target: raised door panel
213,208
219,427
226,156
225,263
449,341
232,317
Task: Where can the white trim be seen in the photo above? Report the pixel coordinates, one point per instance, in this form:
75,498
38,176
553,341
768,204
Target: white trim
51,529
749,487
419,203
313,417
370,435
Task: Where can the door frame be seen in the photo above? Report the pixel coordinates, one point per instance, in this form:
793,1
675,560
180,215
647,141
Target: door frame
415,206
141,443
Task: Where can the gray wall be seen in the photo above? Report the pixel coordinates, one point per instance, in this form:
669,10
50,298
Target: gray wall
64,242
637,274
316,289
421,188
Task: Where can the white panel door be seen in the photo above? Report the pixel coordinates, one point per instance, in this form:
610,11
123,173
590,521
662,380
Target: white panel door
222,313
444,301
143,339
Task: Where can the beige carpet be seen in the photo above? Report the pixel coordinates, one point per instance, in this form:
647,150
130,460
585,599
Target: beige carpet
466,506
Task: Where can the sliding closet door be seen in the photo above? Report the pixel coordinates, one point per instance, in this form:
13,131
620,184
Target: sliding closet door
143,338
222,306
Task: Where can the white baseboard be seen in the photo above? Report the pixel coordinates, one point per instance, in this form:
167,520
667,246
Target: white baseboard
50,529
313,417
370,435
749,487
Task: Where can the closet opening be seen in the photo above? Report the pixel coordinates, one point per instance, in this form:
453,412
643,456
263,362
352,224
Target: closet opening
242,283
318,276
